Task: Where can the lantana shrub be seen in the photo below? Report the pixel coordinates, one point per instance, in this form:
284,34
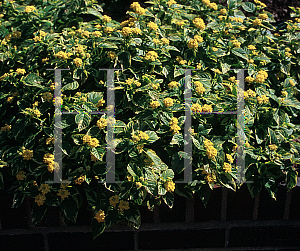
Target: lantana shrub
153,48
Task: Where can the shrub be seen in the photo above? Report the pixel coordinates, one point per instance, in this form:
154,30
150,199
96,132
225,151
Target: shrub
152,48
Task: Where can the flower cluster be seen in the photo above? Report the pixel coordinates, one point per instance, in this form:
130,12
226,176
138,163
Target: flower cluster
5,128
49,159
92,142
174,125
211,151
199,87
199,23
100,216
262,99
261,77
137,8
168,102
170,186
154,104
27,154
21,175
227,167
151,56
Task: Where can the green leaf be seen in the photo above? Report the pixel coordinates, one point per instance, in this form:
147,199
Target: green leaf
240,53
168,174
18,199
98,152
91,197
37,213
71,86
157,161
249,7
94,12
33,80
83,120
152,136
97,228
70,208
291,178
125,59
271,187
204,193
133,216
231,3
169,199
177,163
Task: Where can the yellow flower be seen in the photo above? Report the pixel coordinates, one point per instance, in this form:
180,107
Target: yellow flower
37,113
284,93
152,26
48,158
108,29
249,79
63,193
126,31
136,31
47,96
27,154
21,175
174,127
77,61
236,43
165,41
100,216
37,39
123,205
29,9
257,22
168,102
80,180
261,77
135,138
292,83
5,128
199,66
263,16
20,71
217,71
229,158
209,178
196,108
49,140
97,34
112,55
170,186
86,138
180,60
106,18
227,167
173,84
199,23
273,147
223,11
114,200
40,199
93,142
262,99
10,99
101,123
44,188
93,158
171,2
151,56
193,44
143,135
101,102
213,6
199,39
1,15
251,61
247,144
155,41
154,104
207,108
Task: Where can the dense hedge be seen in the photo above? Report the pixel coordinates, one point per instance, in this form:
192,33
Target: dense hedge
151,48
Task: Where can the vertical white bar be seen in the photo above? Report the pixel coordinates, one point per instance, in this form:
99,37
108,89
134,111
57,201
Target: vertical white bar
188,124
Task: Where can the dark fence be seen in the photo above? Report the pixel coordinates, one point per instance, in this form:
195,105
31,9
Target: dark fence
231,221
